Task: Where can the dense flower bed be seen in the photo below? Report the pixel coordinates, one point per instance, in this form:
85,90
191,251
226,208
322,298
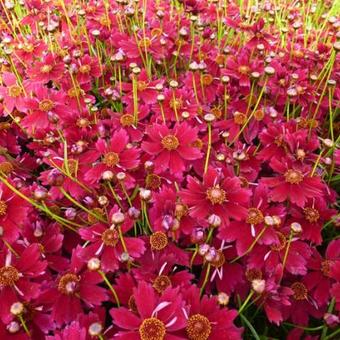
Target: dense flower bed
168,169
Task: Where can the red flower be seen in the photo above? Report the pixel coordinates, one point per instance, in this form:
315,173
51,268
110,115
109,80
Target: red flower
156,317
115,156
172,148
207,320
215,195
294,183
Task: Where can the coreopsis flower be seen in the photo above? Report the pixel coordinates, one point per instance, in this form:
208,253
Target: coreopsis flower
115,155
49,68
17,276
171,148
259,220
13,214
13,94
72,288
294,183
156,317
87,68
222,196
206,319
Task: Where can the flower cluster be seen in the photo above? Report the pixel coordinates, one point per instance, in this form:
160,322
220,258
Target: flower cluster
168,169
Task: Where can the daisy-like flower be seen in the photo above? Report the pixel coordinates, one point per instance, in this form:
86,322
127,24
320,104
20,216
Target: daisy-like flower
16,274
12,94
207,320
294,183
115,156
156,317
13,213
223,197
172,148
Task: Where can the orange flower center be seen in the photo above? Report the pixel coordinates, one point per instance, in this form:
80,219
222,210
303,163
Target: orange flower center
46,105
3,208
152,329
253,274
244,69
300,291
198,328
181,210
255,216
207,79
84,69
46,68
219,259
170,142
293,176
110,237
142,85
161,283
282,242
126,120
8,276
14,91
153,181
144,43
68,284
326,267
158,240
176,103
216,195
311,214
111,159
239,118
6,168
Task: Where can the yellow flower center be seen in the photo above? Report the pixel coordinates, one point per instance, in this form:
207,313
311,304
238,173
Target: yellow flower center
158,240
8,276
126,120
68,284
255,216
46,105
46,68
216,195
293,176
300,291
161,283
198,328
111,159
311,215
14,91
110,237
152,329
170,142
3,208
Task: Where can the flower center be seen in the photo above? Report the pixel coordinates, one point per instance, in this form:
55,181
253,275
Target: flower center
326,267
282,242
8,276
126,120
181,210
253,274
311,215
3,208
216,195
170,142
152,329
176,103
14,91
219,259
158,240
6,168
239,118
293,176
244,69
46,68
207,79
300,291
111,159
84,69
198,328
68,284
152,181
144,43
110,237
161,283
142,85
255,216
132,304
46,105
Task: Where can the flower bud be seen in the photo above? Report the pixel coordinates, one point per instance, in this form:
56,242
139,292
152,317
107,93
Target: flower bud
93,264
17,308
107,175
296,227
258,285
214,220
145,194
223,299
95,329
203,249
117,218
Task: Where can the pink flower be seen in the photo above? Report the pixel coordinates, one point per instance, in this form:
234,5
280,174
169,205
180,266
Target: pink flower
172,148
216,195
